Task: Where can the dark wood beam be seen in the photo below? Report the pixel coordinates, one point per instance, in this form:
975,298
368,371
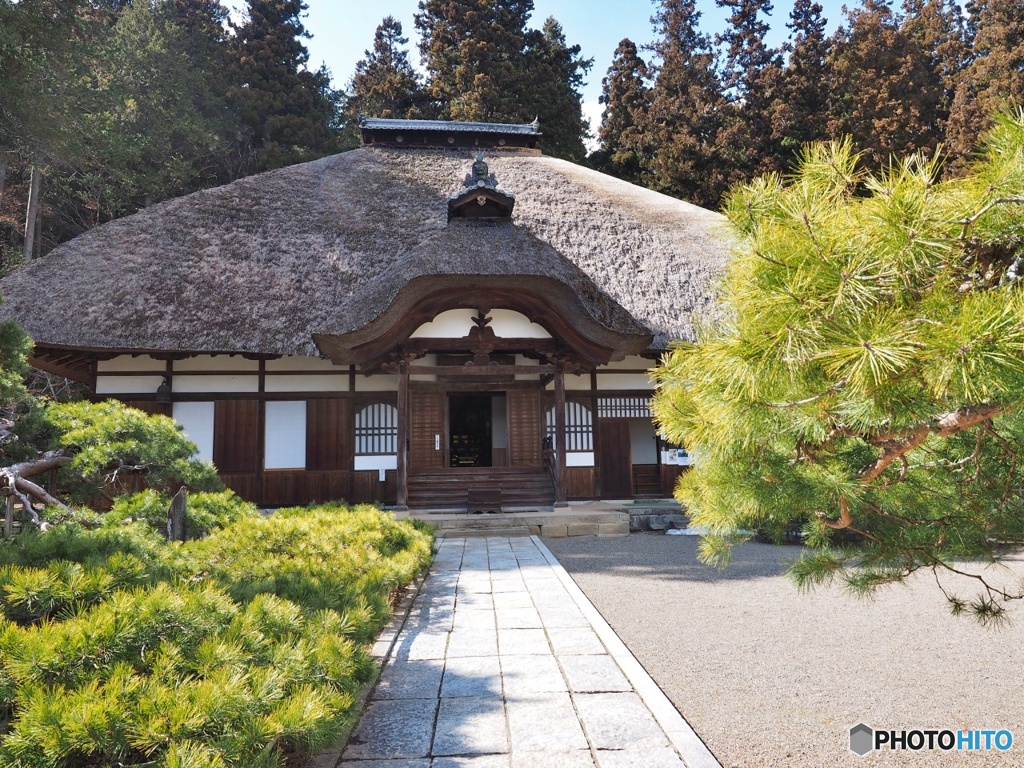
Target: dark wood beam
478,371
402,492
562,485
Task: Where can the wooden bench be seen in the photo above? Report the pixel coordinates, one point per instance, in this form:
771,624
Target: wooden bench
483,500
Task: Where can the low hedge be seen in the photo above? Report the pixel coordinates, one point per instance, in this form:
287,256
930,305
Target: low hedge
238,649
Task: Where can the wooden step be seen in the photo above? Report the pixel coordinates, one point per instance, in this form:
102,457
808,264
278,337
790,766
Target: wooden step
450,490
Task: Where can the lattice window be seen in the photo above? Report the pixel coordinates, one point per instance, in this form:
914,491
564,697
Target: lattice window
579,428
377,430
624,407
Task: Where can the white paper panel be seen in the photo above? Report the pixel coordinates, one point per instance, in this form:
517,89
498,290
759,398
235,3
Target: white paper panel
197,421
286,435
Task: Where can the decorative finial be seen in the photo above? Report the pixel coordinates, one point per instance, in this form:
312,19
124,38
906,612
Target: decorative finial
480,176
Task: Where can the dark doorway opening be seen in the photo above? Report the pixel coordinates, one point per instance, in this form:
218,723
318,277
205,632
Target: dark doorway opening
469,429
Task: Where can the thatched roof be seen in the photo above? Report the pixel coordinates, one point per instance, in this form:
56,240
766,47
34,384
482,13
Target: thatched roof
260,265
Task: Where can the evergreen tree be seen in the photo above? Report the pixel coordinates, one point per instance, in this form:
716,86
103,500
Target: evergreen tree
555,72
681,129
289,112
474,54
626,97
884,92
385,84
995,73
752,75
800,110
161,131
866,373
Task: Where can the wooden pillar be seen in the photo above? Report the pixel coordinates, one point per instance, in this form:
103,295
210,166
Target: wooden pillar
402,492
561,489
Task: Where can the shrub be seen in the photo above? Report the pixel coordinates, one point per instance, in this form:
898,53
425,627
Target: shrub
205,511
235,650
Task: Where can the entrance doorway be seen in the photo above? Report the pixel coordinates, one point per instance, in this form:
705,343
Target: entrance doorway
476,430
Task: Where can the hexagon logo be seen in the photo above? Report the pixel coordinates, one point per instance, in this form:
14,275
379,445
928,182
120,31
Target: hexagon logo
862,738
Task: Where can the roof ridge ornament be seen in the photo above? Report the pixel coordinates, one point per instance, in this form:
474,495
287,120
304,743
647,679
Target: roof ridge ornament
480,176
481,198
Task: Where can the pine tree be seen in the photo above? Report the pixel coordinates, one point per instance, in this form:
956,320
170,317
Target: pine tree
866,373
290,113
626,97
884,92
994,75
800,111
679,133
385,84
555,73
752,76
474,54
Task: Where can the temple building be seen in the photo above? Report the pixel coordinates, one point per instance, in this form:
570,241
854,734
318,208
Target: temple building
442,315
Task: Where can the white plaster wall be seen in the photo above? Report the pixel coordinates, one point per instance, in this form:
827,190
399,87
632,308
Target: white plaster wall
130,363
457,323
202,384
376,463
641,438
299,383
451,324
576,382
510,324
633,362
216,363
127,385
197,421
285,446
303,363
607,381
383,383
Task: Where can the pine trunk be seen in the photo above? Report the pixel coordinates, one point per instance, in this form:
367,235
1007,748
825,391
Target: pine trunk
31,215
3,178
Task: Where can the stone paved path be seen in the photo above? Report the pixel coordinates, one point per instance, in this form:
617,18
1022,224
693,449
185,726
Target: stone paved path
503,662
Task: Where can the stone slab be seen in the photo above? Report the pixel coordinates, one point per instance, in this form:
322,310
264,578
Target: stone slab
473,642
480,761
523,642
393,729
544,722
619,721
575,641
475,601
661,757
470,725
421,644
525,675
593,674
554,530
410,679
578,759
583,529
505,600
471,676
613,529
518,618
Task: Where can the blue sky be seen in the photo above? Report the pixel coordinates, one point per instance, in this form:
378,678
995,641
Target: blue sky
343,29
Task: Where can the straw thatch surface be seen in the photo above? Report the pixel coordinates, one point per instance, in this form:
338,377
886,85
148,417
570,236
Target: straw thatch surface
260,265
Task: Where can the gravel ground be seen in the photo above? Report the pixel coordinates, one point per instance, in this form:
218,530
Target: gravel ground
771,677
